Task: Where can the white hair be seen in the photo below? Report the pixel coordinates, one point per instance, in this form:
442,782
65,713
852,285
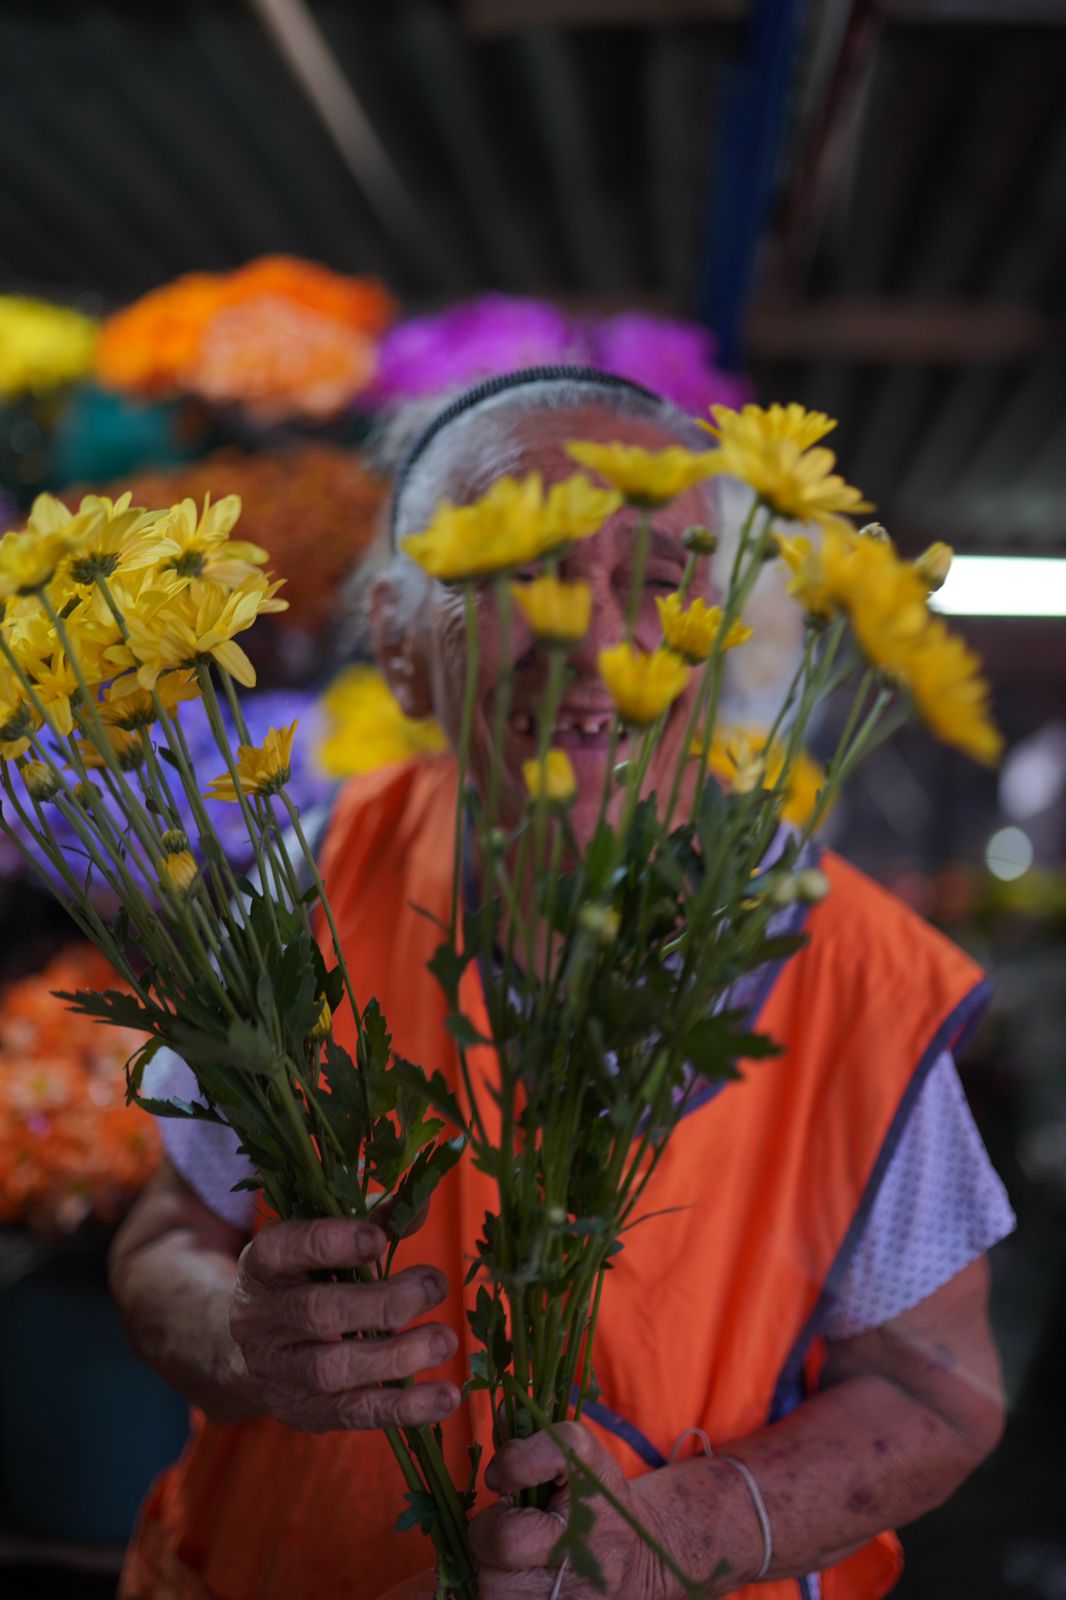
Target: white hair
489,438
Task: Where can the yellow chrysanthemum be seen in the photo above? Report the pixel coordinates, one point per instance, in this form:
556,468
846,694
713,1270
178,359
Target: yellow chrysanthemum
55,684
934,564
557,612
323,1025
126,748
739,757
108,536
575,509
771,449
366,729
943,677
179,871
17,722
642,686
262,769
203,548
552,780
127,706
691,631
644,477
512,524
28,560
187,628
807,584
884,597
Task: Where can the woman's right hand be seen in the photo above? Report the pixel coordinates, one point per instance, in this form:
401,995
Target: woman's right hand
291,1330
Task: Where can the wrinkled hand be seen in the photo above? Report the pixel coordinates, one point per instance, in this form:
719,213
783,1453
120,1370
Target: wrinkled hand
291,1330
513,1545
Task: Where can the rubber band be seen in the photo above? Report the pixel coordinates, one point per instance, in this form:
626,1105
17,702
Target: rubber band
754,1491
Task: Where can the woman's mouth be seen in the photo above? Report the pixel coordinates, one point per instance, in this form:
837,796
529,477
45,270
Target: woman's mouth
577,729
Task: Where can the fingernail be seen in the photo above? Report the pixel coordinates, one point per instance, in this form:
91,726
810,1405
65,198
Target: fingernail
443,1403
441,1345
369,1239
431,1286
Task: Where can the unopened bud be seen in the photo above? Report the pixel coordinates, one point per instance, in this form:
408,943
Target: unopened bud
174,841
555,1216
622,773
812,885
699,540
324,1024
934,564
84,794
179,870
41,782
496,841
876,531
600,922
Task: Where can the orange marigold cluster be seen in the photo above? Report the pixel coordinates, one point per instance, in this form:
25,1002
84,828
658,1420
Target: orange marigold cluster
279,337
70,1147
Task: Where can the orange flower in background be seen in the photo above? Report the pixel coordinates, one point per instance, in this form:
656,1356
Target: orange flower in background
70,1147
280,336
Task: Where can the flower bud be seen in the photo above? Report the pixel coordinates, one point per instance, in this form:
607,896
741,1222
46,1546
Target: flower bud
41,782
323,1027
876,531
600,922
699,540
555,1216
84,794
179,869
622,773
812,885
934,564
174,841
496,841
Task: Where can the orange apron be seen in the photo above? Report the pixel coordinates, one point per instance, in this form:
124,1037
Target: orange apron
711,1315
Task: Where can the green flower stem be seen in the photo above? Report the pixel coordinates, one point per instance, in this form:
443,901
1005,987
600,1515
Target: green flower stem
590,1335
218,728
576,1466
465,732
741,583
78,907
502,699
281,866
640,561
327,909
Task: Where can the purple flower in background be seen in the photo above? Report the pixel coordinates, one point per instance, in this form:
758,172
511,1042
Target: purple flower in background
478,339
307,787
674,358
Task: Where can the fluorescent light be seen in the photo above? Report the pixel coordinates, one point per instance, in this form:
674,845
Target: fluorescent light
1004,586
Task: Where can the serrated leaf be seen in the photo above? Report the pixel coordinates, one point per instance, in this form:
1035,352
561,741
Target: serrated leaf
421,1512
431,1091
463,1031
418,1184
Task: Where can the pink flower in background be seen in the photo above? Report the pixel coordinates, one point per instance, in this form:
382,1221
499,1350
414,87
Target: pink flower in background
674,358
478,339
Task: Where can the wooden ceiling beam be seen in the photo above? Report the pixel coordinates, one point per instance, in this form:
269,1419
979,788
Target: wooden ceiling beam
950,332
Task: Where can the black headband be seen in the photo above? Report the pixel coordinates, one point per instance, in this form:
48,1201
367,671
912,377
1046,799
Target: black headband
485,391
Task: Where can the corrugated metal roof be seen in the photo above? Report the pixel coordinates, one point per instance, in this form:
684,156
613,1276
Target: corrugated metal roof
913,282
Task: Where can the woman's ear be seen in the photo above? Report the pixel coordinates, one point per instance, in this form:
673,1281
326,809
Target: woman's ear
394,609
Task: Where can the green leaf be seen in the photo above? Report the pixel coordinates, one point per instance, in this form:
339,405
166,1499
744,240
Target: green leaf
463,1031
418,1184
112,1005
447,965
432,1090
168,756
421,1512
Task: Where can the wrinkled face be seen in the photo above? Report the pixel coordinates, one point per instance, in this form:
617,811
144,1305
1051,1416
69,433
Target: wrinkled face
605,563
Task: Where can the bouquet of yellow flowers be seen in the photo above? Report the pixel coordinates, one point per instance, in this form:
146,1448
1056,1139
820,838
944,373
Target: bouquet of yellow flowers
609,967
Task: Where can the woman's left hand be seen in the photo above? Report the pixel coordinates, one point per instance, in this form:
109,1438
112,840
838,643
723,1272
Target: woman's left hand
513,1545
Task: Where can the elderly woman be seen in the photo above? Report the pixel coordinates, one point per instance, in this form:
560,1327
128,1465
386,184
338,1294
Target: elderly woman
819,1314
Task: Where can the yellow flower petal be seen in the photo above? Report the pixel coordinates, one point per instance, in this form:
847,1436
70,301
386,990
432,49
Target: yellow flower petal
552,780
691,632
645,477
642,686
557,612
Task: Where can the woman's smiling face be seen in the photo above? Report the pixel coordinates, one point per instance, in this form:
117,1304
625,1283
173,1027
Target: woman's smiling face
436,641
